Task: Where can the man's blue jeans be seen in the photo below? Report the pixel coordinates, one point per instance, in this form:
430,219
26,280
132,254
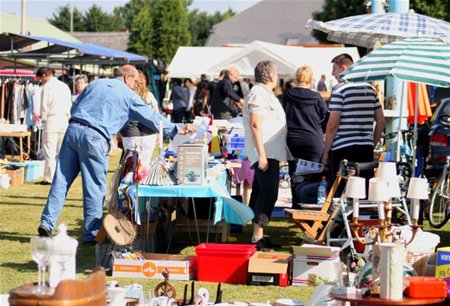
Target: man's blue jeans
83,149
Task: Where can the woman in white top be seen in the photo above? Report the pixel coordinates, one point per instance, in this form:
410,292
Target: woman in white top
265,145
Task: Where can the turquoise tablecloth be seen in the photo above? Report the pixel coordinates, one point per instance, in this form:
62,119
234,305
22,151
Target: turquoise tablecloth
227,208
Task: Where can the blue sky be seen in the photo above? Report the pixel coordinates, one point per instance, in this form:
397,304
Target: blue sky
45,8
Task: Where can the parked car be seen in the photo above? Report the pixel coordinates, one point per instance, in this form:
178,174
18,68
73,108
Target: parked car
440,135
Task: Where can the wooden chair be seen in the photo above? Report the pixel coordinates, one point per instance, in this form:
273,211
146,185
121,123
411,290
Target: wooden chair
314,223
90,291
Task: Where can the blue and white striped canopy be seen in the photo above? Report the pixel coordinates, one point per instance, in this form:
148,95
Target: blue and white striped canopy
366,30
419,60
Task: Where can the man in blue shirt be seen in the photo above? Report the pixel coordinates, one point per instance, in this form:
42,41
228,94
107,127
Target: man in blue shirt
100,111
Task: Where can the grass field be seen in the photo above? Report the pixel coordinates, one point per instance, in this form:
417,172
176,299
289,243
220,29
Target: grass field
20,210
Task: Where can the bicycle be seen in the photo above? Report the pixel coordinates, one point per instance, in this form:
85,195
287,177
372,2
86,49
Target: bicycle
440,198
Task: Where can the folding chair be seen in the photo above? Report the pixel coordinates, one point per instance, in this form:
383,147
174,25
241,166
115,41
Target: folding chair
314,223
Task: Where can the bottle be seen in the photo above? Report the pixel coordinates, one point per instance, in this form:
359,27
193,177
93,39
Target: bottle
322,191
62,260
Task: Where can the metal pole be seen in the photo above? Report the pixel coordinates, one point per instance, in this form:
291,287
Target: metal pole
416,115
395,91
378,6
71,16
23,17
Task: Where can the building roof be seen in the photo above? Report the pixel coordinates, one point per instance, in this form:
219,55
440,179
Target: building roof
274,21
113,40
33,26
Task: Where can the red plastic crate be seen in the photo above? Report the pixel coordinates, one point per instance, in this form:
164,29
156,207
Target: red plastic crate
223,263
422,287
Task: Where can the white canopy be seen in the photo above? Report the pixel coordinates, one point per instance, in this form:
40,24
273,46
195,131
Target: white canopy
191,62
248,57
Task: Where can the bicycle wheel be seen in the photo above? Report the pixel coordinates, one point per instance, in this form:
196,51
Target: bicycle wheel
440,204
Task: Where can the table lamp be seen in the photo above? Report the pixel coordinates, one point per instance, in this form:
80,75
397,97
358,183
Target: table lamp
388,172
378,193
418,190
355,189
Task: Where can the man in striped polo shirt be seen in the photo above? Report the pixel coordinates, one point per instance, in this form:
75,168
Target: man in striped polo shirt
350,131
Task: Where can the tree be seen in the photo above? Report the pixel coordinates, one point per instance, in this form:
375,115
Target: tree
201,23
94,20
170,24
141,34
435,8
335,9
131,9
97,20
61,19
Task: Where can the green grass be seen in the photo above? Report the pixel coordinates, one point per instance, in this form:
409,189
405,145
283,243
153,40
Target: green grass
20,211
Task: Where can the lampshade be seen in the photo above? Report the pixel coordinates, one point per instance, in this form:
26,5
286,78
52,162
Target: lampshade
356,187
387,170
378,190
394,188
418,188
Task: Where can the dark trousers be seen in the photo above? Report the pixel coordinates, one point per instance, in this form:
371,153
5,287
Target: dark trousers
356,154
264,191
178,114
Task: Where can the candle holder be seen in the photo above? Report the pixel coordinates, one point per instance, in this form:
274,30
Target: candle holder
418,190
382,189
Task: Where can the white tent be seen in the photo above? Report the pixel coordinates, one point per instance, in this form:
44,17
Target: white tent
246,59
287,58
191,62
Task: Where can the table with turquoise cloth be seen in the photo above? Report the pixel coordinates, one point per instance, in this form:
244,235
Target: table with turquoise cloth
226,208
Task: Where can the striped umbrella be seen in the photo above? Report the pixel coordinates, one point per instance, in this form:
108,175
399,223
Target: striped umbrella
366,30
419,60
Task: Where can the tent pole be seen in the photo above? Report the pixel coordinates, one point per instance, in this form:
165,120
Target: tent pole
399,133
416,115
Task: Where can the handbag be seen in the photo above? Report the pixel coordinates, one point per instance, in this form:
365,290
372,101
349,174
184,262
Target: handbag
119,228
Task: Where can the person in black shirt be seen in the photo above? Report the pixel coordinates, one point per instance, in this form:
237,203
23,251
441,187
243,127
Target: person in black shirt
226,103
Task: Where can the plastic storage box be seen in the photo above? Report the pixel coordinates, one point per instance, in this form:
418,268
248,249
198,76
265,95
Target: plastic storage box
223,263
34,170
422,287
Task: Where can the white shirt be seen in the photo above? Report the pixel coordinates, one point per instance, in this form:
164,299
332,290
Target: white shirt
56,100
262,101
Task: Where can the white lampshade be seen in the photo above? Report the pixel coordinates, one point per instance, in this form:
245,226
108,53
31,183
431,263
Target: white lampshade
356,187
378,190
418,188
394,188
387,170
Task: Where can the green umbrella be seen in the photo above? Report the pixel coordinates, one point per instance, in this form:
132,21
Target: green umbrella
419,60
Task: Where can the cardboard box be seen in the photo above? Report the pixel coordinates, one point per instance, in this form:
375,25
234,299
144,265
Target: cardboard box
270,269
17,176
192,162
316,260
442,263
180,267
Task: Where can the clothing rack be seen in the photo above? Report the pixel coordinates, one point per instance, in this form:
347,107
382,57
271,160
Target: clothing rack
12,77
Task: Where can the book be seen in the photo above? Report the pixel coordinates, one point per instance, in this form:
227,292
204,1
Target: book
192,163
